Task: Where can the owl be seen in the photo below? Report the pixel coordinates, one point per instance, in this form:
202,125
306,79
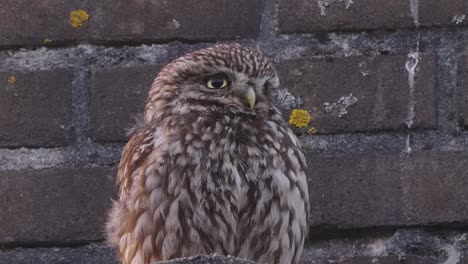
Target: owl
212,169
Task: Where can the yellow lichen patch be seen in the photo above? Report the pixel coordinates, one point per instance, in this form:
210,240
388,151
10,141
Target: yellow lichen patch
78,18
312,130
12,79
47,41
299,118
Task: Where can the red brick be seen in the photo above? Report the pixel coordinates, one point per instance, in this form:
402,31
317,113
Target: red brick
54,204
36,108
39,22
380,85
307,16
388,189
117,96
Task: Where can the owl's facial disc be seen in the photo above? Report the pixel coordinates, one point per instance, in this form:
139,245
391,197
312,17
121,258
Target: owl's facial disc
236,84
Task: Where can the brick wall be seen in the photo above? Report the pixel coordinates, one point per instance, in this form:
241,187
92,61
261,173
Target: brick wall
386,84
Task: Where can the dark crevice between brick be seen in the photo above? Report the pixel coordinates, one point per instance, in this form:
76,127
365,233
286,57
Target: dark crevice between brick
382,29
328,232
113,43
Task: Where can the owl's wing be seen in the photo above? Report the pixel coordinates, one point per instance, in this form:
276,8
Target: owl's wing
304,185
134,155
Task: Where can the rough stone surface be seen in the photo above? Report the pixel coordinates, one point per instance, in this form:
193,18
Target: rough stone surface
370,190
54,204
369,93
46,23
117,97
208,260
423,245
35,107
88,254
345,15
410,246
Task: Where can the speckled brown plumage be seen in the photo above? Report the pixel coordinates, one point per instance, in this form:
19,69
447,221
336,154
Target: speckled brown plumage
212,170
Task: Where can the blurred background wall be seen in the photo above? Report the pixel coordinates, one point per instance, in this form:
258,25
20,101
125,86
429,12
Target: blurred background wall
384,86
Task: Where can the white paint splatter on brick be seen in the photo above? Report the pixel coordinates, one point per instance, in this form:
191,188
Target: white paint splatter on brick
411,67
323,6
364,69
341,105
348,3
408,148
414,6
458,19
411,64
176,23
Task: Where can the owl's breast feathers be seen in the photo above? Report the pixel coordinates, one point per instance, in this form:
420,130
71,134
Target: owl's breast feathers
206,186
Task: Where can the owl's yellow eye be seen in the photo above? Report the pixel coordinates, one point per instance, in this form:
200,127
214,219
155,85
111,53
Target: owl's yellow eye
217,82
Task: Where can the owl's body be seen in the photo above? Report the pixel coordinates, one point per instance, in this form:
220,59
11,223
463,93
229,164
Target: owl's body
208,172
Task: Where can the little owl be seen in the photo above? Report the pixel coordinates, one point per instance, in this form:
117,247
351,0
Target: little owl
212,168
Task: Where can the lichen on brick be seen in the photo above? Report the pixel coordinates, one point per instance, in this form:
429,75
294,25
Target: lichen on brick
288,100
341,106
300,118
78,18
312,130
12,79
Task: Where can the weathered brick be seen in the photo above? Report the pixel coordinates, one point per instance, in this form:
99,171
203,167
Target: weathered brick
379,84
443,13
385,189
117,97
354,191
435,188
329,15
209,259
462,92
35,107
37,23
54,204
93,254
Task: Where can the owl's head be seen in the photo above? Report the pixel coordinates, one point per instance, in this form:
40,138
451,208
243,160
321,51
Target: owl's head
222,78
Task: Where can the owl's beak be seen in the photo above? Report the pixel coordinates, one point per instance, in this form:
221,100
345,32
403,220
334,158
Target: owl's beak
249,98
